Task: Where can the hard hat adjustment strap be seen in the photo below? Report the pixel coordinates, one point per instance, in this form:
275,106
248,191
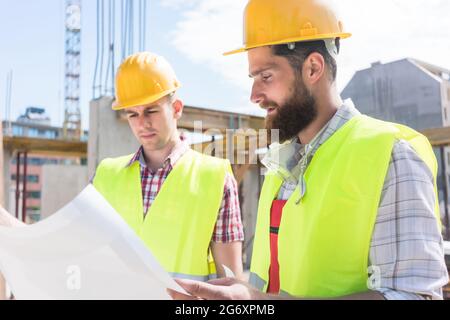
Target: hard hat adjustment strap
291,46
330,44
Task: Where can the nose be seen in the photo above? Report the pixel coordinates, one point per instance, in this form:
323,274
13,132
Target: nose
256,96
143,122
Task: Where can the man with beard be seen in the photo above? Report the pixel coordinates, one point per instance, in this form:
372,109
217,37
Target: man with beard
349,207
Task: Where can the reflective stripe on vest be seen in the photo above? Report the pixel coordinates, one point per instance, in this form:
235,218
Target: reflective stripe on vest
324,241
179,225
191,277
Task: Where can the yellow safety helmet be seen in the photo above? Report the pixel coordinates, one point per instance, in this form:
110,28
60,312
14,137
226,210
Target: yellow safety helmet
143,78
271,22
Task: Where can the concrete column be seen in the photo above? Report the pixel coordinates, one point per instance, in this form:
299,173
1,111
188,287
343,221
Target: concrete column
109,136
53,197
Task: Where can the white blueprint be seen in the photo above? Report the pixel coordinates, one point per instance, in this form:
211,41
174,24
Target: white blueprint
84,251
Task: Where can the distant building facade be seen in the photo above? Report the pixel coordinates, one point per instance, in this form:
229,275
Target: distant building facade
34,123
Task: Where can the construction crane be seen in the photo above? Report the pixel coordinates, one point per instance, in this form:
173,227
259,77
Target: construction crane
72,113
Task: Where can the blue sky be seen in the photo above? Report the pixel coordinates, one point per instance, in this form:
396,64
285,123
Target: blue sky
32,45
192,34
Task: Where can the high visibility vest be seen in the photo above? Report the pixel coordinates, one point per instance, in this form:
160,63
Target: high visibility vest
324,240
179,225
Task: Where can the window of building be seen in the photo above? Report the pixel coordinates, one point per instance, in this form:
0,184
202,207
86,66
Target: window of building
34,213
41,161
30,178
17,130
47,134
33,132
35,161
33,194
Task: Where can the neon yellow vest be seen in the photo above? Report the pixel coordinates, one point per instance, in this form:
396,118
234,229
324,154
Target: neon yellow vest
179,224
324,241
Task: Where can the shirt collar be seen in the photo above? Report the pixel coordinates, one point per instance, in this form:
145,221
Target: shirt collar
180,148
290,159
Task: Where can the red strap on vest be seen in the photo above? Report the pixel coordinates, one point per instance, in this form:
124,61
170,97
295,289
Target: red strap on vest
274,270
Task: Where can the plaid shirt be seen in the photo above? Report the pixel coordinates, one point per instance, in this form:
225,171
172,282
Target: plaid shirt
228,226
406,245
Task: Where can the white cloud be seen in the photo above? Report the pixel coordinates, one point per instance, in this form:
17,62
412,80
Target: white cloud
383,30
209,29
386,30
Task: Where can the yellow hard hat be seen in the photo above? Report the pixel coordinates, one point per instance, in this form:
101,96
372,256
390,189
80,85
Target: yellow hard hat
271,22
143,78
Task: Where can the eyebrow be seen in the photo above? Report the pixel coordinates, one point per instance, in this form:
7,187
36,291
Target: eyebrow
150,108
260,70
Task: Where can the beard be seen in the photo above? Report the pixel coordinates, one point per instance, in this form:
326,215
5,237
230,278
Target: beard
297,113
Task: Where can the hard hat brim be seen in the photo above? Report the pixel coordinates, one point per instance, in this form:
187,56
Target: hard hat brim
290,40
143,101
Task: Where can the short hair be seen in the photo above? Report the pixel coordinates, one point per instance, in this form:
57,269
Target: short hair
303,49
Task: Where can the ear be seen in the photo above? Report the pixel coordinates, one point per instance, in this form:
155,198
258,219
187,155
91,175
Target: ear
313,68
178,108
